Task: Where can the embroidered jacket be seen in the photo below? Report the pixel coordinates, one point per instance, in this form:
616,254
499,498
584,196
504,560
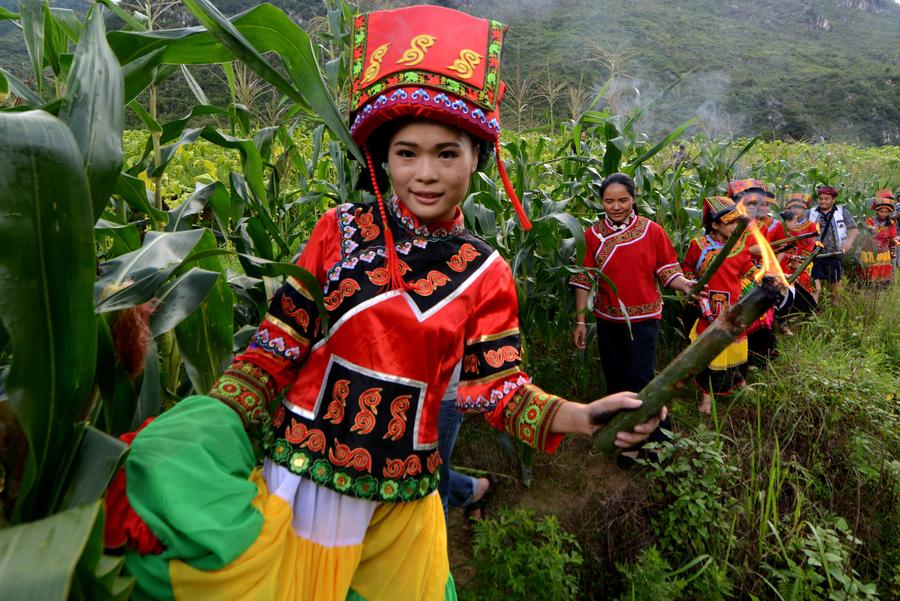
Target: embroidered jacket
881,235
878,250
801,250
727,283
360,412
635,259
771,228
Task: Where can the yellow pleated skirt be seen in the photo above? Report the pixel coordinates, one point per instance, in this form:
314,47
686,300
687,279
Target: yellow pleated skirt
734,354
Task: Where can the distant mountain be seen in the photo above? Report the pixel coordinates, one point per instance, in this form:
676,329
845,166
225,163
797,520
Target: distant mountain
804,69
784,68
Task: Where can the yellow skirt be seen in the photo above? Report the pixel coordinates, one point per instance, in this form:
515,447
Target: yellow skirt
735,354
400,555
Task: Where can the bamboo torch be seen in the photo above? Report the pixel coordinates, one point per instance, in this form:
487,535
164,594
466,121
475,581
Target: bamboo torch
791,239
693,359
815,253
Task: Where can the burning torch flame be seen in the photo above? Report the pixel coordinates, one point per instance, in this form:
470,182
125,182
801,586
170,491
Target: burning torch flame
770,264
818,240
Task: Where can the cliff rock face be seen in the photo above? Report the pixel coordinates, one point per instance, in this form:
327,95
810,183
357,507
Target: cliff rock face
870,5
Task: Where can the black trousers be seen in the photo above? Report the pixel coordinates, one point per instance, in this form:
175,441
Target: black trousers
630,360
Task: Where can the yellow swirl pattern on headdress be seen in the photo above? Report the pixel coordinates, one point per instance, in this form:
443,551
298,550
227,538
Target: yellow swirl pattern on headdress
416,51
375,63
465,64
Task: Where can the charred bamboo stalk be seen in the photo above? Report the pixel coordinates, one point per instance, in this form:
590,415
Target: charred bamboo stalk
720,258
693,360
839,253
815,253
791,239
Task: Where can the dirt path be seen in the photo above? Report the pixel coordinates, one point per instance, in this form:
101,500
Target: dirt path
593,499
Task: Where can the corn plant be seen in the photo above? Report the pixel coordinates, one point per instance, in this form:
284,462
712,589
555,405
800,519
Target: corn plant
91,264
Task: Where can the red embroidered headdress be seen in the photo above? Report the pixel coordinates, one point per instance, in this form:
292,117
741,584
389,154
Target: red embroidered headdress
719,208
827,190
800,199
430,62
883,198
739,188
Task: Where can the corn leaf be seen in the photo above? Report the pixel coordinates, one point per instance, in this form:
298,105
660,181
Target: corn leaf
99,456
93,107
134,278
247,36
61,557
31,16
45,290
180,298
206,336
18,87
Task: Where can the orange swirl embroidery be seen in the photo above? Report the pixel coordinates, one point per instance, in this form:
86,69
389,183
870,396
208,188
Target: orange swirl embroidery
342,455
380,275
398,468
501,356
426,285
470,364
364,421
346,289
339,394
298,434
465,64
299,315
374,67
434,462
367,226
418,46
460,260
397,426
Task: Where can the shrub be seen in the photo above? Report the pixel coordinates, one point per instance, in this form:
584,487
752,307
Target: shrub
521,556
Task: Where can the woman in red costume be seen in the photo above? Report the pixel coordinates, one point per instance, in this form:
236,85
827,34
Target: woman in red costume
755,197
637,257
880,243
797,223
345,504
724,289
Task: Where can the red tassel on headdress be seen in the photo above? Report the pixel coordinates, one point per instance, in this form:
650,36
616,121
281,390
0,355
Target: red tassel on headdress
510,191
392,260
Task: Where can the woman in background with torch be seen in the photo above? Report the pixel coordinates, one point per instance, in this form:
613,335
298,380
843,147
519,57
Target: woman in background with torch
720,219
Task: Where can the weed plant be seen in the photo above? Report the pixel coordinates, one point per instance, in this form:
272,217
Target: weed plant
521,556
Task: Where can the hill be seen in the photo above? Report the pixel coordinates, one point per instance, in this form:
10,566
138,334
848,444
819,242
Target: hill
802,69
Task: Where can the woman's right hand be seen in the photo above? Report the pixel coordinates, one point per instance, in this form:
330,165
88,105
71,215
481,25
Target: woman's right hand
579,336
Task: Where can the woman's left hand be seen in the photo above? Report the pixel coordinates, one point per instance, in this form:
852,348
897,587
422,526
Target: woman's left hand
685,285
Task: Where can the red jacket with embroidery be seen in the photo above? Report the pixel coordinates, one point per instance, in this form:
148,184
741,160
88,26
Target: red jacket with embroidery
771,228
801,250
635,259
726,284
360,409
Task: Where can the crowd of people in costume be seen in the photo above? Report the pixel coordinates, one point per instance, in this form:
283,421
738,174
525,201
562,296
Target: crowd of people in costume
356,423
625,253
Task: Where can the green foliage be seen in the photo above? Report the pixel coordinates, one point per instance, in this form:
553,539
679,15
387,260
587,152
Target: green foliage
650,578
690,482
61,557
816,565
521,556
